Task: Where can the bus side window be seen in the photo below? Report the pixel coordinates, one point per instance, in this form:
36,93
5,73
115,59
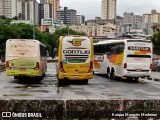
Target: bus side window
112,50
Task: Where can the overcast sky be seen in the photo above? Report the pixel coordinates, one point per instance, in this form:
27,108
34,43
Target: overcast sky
92,8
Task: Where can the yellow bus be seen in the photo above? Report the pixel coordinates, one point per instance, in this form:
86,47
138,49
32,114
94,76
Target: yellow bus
75,58
25,57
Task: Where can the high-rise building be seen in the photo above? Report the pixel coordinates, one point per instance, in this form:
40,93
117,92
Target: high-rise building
68,16
153,17
55,6
45,11
28,10
108,9
8,8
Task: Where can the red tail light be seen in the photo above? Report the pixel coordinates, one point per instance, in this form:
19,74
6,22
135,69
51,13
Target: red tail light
61,67
7,65
37,66
151,66
125,65
91,67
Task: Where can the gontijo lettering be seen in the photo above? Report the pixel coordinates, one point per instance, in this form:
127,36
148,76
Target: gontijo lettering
76,51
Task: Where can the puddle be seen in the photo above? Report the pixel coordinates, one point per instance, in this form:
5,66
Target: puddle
111,94
44,91
16,94
27,86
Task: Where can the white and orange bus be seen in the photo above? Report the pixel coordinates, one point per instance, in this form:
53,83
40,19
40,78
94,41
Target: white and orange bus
25,57
75,58
130,58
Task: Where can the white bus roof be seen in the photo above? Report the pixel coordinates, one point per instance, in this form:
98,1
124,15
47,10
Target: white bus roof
116,40
27,40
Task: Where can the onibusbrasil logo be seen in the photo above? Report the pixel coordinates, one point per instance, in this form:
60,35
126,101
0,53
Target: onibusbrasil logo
21,114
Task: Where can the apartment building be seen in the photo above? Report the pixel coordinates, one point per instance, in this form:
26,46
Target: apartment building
96,30
80,19
108,9
153,17
68,16
45,11
55,6
28,10
151,20
131,22
8,8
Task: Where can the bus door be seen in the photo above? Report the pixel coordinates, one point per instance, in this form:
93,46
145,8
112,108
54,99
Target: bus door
138,55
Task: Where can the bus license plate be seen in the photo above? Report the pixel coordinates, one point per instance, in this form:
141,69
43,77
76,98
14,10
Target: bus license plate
138,70
22,69
76,76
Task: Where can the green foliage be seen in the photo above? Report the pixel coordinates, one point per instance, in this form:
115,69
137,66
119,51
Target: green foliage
25,31
156,42
64,32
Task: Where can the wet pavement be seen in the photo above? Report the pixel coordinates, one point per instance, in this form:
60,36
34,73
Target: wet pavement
100,87
100,99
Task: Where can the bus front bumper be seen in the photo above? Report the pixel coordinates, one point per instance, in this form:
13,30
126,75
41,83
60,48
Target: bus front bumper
137,73
75,76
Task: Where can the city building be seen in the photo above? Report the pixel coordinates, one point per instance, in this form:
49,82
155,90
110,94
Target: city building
8,8
151,21
51,22
154,17
68,16
45,11
96,30
108,9
131,22
22,9
55,6
80,19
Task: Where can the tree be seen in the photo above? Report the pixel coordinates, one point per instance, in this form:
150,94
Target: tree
63,32
156,42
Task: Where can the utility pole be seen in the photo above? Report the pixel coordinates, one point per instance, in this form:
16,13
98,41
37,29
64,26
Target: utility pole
33,20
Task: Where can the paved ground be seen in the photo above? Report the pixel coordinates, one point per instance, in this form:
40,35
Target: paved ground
99,87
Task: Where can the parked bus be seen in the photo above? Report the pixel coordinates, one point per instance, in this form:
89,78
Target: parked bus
130,58
25,57
75,58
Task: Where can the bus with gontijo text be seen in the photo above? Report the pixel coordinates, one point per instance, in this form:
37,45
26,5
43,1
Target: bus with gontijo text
25,57
75,58
129,58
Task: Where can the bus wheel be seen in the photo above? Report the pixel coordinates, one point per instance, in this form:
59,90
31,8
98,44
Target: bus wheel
113,75
136,79
61,81
108,73
85,81
15,77
129,78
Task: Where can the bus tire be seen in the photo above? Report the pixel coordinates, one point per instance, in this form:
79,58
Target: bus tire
113,74
129,78
108,73
136,79
85,81
15,77
61,81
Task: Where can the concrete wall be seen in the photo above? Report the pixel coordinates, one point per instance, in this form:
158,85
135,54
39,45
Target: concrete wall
85,109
